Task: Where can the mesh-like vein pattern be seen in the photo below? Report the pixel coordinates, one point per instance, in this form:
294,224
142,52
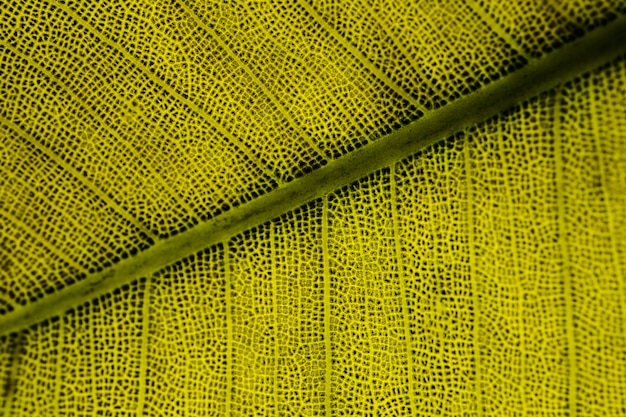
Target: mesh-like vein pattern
186,53
187,338
277,337
254,324
436,50
48,109
368,320
541,26
318,81
300,332
148,117
55,234
86,362
432,237
520,276
120,126
592,240
482,276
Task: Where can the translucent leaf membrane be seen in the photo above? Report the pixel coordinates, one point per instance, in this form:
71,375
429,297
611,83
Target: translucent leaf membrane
435,50
150,117
185,51
85,362
25,259
65,125
431,233
301,333
278,361
254,324
482,276
593,240
610,91
517,263
52,234
369,325
11,347
334,99
541,26
126,132
187,338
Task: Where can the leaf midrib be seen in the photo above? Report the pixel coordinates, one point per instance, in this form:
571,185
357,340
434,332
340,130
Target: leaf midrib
596,48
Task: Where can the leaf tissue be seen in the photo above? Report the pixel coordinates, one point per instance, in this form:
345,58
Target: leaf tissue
312,207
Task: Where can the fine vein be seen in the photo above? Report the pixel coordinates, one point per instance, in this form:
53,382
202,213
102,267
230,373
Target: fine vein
582,55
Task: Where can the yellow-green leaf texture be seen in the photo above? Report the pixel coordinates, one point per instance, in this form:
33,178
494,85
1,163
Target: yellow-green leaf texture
312,207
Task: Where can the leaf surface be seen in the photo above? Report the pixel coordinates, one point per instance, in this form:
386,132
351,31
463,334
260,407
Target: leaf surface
312,208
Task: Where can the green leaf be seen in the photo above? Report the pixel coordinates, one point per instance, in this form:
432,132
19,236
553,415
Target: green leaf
312,208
